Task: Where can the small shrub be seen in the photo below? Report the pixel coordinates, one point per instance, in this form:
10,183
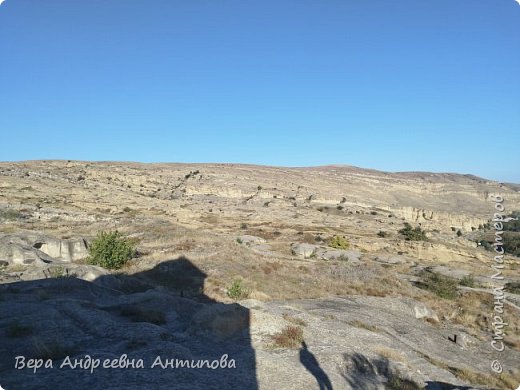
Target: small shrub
237,290
397,383
511,243
382,234
459,233
442,286
339,242
468,281
514,224
60,272
239,240
243,226
10,215
413,234
289,337
111,250
513,287
486,245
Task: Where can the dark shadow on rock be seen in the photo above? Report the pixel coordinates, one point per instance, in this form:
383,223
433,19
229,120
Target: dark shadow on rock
161,312
431,385
363,373
311,364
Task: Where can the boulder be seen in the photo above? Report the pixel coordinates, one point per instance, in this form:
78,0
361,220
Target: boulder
339,254
390,259
304,250
248,240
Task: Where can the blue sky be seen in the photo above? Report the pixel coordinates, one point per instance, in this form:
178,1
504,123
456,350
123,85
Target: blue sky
386,84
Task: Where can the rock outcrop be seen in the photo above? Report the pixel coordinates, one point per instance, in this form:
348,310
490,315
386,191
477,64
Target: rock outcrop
38,249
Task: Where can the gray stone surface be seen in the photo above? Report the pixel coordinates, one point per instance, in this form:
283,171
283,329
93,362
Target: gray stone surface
303,250
100,320
39,249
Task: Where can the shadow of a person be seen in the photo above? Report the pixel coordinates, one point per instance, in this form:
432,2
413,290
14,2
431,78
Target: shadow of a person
311,364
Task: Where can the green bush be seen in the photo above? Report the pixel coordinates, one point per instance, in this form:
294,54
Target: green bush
511,243
381,234
413,234
442,286
339,242
459,233
237,290
111,250
486,245
513,225
513,287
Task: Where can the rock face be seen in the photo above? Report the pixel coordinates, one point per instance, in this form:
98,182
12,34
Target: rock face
35,249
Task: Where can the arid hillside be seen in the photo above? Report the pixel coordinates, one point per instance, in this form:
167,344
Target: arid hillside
375,272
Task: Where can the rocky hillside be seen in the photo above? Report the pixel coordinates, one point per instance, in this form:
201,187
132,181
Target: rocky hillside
305,277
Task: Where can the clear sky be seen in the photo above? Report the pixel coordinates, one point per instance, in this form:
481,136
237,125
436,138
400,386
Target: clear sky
387,84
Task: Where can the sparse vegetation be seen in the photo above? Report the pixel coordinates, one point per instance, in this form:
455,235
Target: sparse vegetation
485,244
511,243
382,234
397,383
413,234
513,287
60,272
290,337
10,215
362,325
442,286
459,233
237,291
468,281
339,242
111,250
294,320
514,224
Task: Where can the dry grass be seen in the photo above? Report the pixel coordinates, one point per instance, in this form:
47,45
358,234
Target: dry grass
294,320
391,354
505,380
290,337
362,325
